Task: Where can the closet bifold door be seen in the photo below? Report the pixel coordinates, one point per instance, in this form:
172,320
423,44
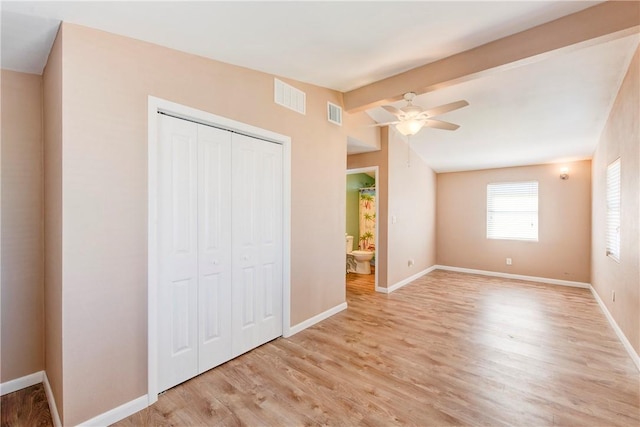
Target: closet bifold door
220,228
257,227
178,251
214,243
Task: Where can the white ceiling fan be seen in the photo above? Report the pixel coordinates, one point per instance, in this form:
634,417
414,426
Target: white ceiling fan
412,118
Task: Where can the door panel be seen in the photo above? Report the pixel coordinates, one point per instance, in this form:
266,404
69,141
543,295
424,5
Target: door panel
247,288
268,309
177,242
214,237
211,300
180,316
257,243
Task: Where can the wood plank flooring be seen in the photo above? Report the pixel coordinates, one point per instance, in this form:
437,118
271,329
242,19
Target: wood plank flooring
361,283
26,408
447,349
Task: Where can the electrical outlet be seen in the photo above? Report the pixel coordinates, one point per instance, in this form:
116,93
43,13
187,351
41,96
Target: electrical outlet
613,296
508,261
410,263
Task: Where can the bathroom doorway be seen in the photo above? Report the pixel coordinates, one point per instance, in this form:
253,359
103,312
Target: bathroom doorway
362,224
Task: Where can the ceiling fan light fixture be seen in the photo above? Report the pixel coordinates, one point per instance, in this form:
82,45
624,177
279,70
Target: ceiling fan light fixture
410,127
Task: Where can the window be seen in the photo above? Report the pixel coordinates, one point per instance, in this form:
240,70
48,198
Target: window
512,210
613,210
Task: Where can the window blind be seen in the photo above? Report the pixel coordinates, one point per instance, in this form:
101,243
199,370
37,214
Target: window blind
512,210
613,210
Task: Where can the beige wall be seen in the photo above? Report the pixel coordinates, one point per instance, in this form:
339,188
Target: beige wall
106,81
620,139
360,131
409,194
412,201
52,112
378,158
563,249
22,333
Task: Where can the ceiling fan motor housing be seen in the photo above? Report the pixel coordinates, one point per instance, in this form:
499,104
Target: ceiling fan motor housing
409,96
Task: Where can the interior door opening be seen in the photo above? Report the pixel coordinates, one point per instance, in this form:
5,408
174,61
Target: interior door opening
361,233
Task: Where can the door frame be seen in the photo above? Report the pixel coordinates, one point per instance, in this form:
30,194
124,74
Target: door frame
375,170
154,106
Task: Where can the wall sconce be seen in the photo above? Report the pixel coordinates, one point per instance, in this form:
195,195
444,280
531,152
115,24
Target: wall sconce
564,173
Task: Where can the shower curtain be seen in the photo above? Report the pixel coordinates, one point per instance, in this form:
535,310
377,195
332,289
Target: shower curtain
367,214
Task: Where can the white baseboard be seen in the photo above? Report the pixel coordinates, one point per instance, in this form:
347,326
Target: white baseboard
621,336
28,381
515,276
20,383
116,414
315,319
406,281
53,408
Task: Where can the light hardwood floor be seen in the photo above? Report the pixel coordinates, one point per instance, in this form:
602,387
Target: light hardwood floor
447,349
361,283
26,408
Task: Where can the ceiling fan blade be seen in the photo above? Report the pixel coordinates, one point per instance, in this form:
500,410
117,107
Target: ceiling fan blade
393,110
436,111
439,124
383,124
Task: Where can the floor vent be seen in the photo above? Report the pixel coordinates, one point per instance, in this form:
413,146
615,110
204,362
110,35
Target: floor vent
290,97
334,113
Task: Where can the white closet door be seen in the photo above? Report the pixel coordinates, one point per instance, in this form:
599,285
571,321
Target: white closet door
220,225
214,236
257,242
178,249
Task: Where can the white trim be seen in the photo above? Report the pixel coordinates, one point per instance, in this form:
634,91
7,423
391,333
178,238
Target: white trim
152,250
515,276
375,170
116,414
20,383
621,336
53,408
382,290
286,239
406,281
157,104
28,381
315,319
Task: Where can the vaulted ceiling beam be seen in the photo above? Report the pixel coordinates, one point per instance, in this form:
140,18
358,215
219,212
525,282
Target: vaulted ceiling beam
597,24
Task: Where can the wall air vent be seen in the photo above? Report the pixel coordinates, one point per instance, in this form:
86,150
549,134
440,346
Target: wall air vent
290,97
334,113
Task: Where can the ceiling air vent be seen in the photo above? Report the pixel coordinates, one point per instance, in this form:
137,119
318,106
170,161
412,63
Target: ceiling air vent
334,113
290,97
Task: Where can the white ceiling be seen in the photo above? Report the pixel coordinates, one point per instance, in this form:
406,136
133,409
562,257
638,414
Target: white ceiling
548,111
545,112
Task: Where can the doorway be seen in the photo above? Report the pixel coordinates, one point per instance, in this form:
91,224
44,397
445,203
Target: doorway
362,240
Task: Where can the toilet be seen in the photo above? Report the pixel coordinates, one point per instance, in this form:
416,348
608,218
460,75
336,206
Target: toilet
361,259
